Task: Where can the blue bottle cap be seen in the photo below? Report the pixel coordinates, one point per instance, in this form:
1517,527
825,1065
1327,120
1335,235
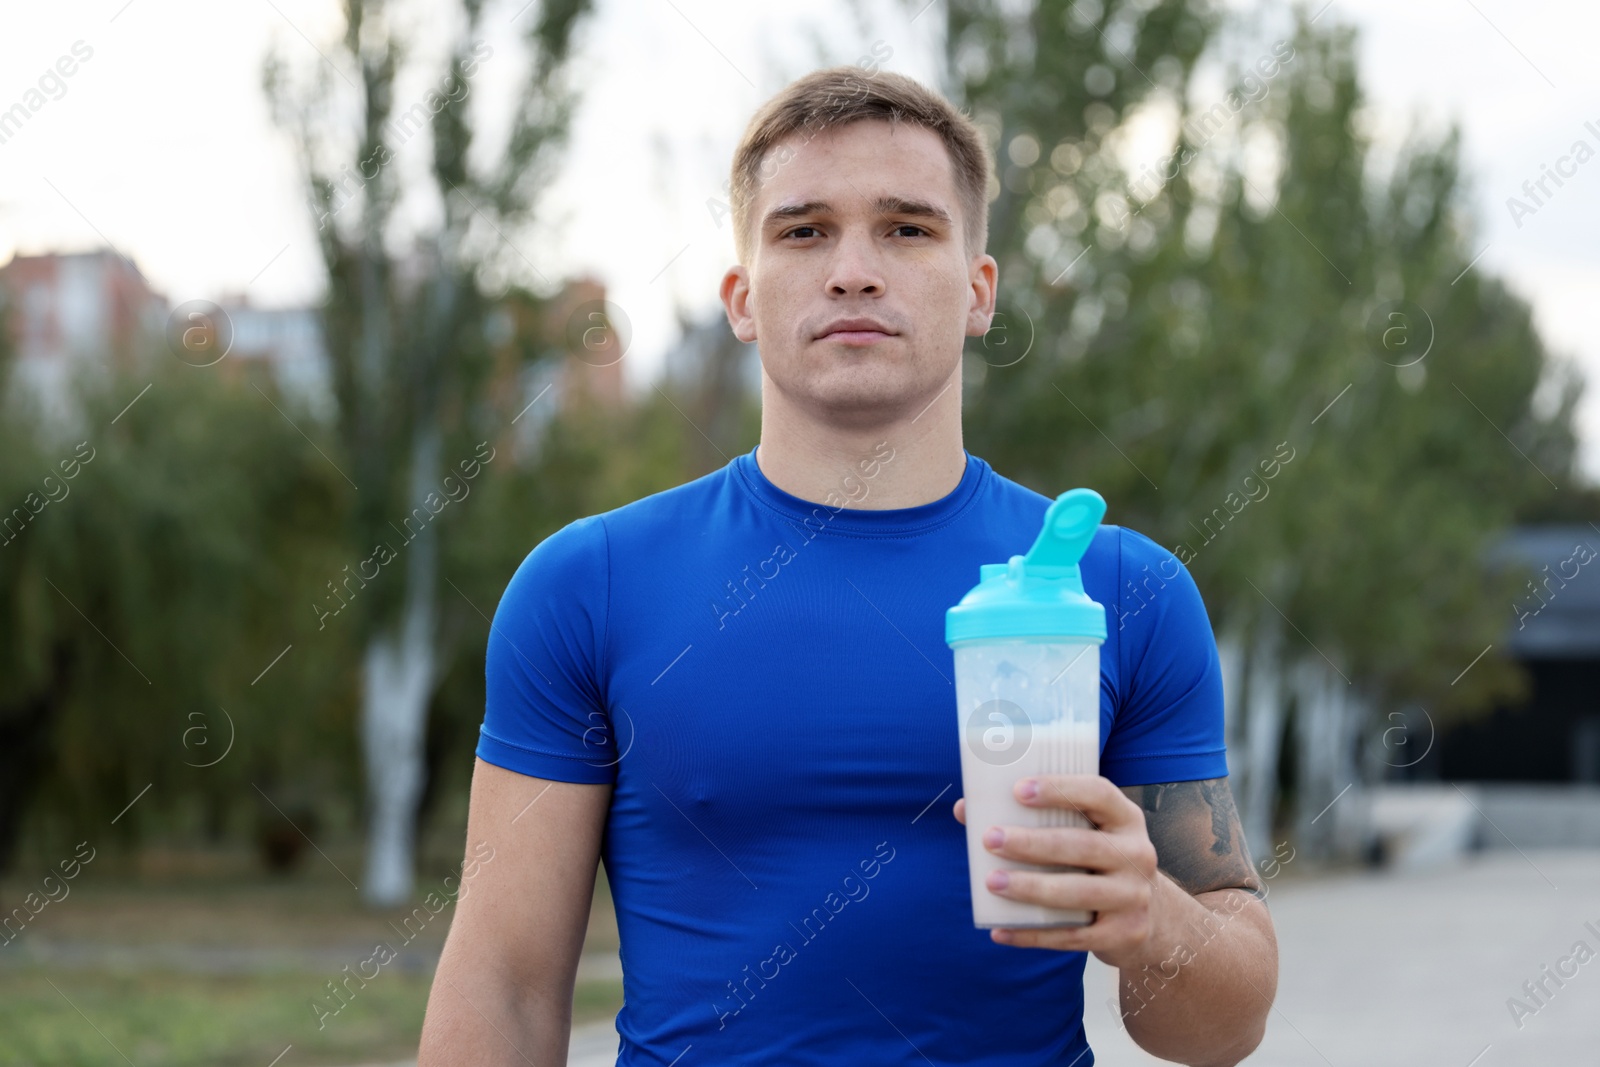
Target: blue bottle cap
1038,595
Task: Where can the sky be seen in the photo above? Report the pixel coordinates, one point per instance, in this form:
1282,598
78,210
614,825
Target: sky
160,143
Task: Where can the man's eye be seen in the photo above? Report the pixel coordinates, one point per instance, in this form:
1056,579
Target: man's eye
909,226
796,231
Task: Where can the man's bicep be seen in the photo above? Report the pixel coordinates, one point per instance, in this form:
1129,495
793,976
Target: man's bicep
526,909
1195,829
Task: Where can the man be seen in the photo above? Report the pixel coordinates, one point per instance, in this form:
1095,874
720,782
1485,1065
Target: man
737,693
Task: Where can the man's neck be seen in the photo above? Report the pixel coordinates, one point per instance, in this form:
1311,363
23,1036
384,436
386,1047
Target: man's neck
901,463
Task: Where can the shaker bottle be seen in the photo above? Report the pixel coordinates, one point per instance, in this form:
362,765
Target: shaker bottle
1027,642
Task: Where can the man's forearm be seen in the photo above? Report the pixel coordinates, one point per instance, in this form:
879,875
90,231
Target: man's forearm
1200,990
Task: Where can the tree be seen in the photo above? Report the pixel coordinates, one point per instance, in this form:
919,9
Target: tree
1223,315
406,338
170,542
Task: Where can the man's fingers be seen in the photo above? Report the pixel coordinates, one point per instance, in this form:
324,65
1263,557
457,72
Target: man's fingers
1092,891
961,810
1105,932
1070,846
1106,806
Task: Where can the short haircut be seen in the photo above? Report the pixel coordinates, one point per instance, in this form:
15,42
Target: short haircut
837,96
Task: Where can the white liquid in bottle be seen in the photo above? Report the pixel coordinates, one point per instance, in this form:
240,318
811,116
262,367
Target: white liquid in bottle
1060,747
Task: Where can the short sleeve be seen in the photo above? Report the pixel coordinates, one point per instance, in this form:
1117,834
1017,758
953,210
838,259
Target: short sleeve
545,711
1169,726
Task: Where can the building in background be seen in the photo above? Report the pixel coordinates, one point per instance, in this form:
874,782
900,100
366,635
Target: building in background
561,354
1553,630
283,344
72,311
87,311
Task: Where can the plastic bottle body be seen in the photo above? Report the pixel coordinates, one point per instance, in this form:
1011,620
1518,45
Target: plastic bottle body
1025,707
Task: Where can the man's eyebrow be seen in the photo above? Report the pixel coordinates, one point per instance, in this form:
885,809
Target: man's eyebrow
896,205
884,205
792,211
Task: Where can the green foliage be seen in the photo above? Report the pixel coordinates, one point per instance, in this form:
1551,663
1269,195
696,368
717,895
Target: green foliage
586,462
1229,314
198,543
139,610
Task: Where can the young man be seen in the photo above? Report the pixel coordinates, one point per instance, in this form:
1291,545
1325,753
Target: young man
737,692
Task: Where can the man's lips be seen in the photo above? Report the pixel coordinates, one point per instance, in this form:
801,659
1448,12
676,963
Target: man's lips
856,330
856,337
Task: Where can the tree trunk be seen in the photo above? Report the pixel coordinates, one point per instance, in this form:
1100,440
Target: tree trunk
1230,651
400,669
25,750
1318,708
1263,735
1331,715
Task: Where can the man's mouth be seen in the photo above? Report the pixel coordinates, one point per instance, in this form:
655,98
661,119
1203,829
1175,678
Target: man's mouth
858,331
857,337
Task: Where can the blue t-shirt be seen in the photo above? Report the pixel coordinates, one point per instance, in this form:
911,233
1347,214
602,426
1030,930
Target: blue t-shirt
765,682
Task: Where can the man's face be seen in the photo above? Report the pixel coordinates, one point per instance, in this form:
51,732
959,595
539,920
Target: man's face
860,222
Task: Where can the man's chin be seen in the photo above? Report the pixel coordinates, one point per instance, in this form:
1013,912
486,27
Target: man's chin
860,404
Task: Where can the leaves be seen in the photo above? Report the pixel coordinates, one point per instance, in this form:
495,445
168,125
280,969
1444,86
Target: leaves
1228,314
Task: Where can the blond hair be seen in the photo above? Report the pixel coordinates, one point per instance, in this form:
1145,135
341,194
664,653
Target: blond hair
837,96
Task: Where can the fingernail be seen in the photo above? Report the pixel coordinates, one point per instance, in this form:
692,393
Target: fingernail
1030,789
999,880
995,837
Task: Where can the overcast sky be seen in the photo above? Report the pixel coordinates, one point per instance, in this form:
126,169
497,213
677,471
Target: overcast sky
160,142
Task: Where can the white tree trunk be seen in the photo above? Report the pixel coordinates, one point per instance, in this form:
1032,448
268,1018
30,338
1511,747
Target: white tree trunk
1230,652
1330,797
1263,735
1319,706
398,683
400,668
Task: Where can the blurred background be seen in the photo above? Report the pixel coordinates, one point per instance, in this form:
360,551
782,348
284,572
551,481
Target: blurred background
318,317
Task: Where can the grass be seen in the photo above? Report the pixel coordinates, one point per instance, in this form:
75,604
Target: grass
118,1012
86,1019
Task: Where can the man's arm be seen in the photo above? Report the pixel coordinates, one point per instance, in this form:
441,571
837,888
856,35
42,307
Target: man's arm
503,992
1206,977
1178,906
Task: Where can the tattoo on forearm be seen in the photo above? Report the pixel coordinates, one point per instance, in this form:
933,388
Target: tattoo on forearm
1195,829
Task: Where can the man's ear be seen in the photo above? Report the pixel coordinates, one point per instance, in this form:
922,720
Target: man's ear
984,282
735,294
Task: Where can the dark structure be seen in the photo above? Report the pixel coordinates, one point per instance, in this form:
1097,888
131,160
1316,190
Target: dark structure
1554,631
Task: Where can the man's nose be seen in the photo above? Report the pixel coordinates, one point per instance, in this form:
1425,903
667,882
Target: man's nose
857,266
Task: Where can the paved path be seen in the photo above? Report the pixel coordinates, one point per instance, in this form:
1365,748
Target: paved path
1397,970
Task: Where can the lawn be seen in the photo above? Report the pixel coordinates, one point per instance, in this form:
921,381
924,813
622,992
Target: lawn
96,1019
224,971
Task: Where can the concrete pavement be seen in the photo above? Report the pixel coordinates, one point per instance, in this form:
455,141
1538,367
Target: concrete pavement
1399,969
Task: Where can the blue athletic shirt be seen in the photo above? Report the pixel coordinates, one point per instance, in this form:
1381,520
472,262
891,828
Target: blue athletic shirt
764,681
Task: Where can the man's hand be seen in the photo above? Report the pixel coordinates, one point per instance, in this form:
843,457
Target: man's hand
1202,913
1121,888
